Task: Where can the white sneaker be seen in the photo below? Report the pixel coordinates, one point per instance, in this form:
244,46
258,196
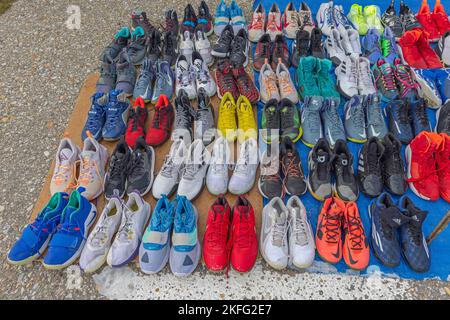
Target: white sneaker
268,84
217,176
186,45
244,174
274,230
135,216
274,27
203,46
170,174
302,249
194,172
185,77
99,241
354,39
65,167
325,18
347,74
365,78
345,41
287,87
333,45
203,77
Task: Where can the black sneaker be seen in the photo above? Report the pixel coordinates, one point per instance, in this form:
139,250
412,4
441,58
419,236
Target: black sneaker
443,119
240,49
300,47
290,122
346,186
205,19
154,48
270,122
172,24
393,168
419,116
204,118
369,168
320,166
294,177
270,183
190,20
222,47
139,19
141,168
408,18
316,43
170,48
116,177
184,118
389,19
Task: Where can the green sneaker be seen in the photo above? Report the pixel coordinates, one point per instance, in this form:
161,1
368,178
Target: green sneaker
306,82
358,19
373,18
326,85
270,122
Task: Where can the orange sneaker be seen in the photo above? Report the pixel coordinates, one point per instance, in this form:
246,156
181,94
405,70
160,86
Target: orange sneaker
356,246
329,231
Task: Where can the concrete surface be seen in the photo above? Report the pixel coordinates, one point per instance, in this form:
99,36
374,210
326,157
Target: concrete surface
43,64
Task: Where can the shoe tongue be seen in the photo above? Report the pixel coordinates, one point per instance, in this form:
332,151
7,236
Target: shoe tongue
88,154
183,65
322,156
417,216
65,155
218,208
283,74
393,217
267,73
198,64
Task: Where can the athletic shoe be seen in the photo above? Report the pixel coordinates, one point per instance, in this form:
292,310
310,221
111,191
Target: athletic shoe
99,241
419,116
356,245
243,245
144,83
287,87
185,78
443,119
248,127
226,122
137,48
217,175
167,180
155,47
170,50
204,119
240,48
329,230
270,184
142,168
356,16
325,83
370,176
108,77
333,127
440,17
302,249
371,46
408,18
244,173
355,120
120,41
422,175
385,80
389,46
290,122
397,113
373,18
305,80
268,84
256,28
345,187
116,116
390,20
165,79
270,122
294,178
319,164
155,246
340,19
64,178
222,47
347,77
68,241
365,77
351,41
334,47
393,167
300,47
411,53
187,45
189,22
425,18
237,17
126,74
202,75
376,125
36,236
245,85
274,27
139,19
203,46
221,18
442,160
311,121
215,249
96,116
280,51
225,79
325,18
274,241
162,122
172,25
406,85
184,118
290,21
204,19
306,20
426,80
316,43
115,183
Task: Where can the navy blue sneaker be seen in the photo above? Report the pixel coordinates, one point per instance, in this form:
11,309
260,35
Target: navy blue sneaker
386,220
397,113
414,245
96,116
116,116
419,116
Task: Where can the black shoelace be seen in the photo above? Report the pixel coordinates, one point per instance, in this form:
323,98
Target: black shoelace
422,113
118,168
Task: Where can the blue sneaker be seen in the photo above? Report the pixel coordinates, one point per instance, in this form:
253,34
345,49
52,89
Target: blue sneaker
386,219
428,87
221,18
443,84
165,80
155,247
68,242
237,17
185,252
414,245
371,45
96,117
116,116
419,116
397,113
36,236
144,84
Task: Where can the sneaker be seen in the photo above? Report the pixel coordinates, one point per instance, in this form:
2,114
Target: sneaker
280,50
125,247
406,85
319,164
383,74
346,187
371,46
325,18
226,122
185,78
203,46
154,250
443,84
443,119
391,20
440,17
356,245
370,176
96,116
215,249
240,48
256,28
274,241
333,127
287,87
115,183
161,126
186,250
302,249
268,84
116,116
187,45
217,175
365,78
274,27
126,74
222,47
221,18
442,159
389,46
356,16
108,77
120,41
334,47
325,82
144,83
316,44
244,173
184,118
137,48
203,77
270,184
291,21
245,85
165,80
306,20
352,38
347,77
70,236
36,236
270,122
305,81
294,177
194,172
397,113
237,17
426,80
311,121
94,253
340,19
141,172
167,180
408,18
248,127
425,18
189,21
300,47
355,120
376,125
419,116
172,24
170,50
290,122
155,46
225,80
329,230
205,19
393,167
372,15
139,19
65,167
204,119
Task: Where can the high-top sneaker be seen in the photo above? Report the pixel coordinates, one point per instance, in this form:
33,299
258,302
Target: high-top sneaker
443,166
172,24
426,20
392,21
162,122
319,163
136,122
393,167
440,17
370,177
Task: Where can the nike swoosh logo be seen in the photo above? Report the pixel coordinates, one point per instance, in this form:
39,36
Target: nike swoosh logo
348,114
398,128
337,254
331,138
350,257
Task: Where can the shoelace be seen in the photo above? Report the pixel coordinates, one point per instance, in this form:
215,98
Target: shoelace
306,18
272,120
118,167
329,15
272,23
239,237
285,83
292,169
356,232
406,81
287,115
366,76
353,74
94,117
87,166
373,163
243,163
294,19
135,117
358,116
184,117
402,113
279,233
137,164
61,172
38,225
374,115
203,76
257,22
226,116
100,235
168,166
421,113
300,231
270,82
218,235
111,120
388,80
332,226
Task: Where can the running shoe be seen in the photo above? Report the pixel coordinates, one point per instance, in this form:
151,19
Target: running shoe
245,85
407,87
320,166
221,18
419,116
355,120
393,167
190,21
332,123
383,73
142,168
408,18
311,121
335,50
185,78
290,21
345,187
270,184
356,249
237,18
376,125
325,18
144,83
162,122
274,27
391,20
347,74
268,84
244,174
316,44
294,177
389,46
365,78
370,176
290,121
225,79
372,15
270,122
117,112
287,87
306,20
222,47
115,183
371,45
203,79
64,173
257,28
240,48
300,47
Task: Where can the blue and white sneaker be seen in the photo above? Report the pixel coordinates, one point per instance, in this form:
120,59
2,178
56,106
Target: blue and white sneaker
340,19
237,17
419,116
155,247
397,113
186,250
221,18
96,116
116,116
428,89
36,236
165,81
66,245
325,18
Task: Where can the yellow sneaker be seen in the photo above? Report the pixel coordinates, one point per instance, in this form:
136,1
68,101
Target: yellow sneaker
246,120
226,124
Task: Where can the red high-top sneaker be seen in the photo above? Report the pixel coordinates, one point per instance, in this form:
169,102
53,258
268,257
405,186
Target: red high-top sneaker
427,21
136,122
411,53
428,54
440,18
443,166
162,122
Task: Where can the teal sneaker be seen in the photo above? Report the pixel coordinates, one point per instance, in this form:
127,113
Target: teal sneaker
306,81
325,82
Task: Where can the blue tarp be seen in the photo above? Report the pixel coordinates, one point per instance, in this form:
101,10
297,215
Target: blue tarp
440,248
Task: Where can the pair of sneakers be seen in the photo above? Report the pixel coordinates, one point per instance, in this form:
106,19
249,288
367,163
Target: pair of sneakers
365,19
280,119
307,44
434,22
354,77
277,85
198,42
193,21
233,45
231,15
434,85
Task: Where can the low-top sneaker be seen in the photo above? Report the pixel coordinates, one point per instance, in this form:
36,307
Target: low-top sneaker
162,122
240,48
115,183
245,85
184,118
217,175
393,167
274,26
203,78
65,167
306,20
256,29
280,50
294,177
383,73
262,52
270,122
222,47
185,78
116,116
248,128
407,87
345,187
316,43
270,184
290,21
311,121
287,87
244,173
300,47
226,122
356,16
391,20
268,84
356,250
370,176
320,165
290,122
142,168
225,79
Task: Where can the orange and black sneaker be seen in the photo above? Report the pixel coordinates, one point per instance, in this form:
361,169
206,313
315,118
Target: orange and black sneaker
329,230
356,249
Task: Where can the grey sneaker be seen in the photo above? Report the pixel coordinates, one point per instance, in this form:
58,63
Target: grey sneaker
126,74
332,123
164,81
137,49
355,120
108,76
346,186
319,164
204,119
142,167
144,84
311,122
376,125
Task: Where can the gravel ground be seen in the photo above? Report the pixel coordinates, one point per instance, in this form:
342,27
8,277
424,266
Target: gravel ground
43,65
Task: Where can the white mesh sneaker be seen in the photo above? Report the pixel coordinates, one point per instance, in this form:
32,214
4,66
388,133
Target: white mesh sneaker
244,174
347,74
333,45
217,175
365,78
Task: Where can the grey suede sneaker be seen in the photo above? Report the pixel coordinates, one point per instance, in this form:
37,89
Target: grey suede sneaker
311,122
137,49
332,123
376,125
164,83
126,74
355,120
108,77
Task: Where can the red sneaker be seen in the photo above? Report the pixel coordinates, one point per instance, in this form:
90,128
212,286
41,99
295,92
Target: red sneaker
411,53
422,171
136,122
243,243
215,252
162,122
440,18
429,55
427,21
246,85
443,167
225,80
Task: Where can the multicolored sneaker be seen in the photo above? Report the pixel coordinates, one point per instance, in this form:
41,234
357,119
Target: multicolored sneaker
385,80
407,87
391,20
389,46
96,116
290,21
245,85
268,84
373,18
274,27
221,18
204,19
189,21
65,167
225,79
270,122
139,19
256,28
116,116
306,20
162,122
136,122
112,51
237,17
290,121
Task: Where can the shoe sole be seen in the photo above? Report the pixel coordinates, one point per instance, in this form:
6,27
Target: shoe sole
408,173
356,140
98,265
160,267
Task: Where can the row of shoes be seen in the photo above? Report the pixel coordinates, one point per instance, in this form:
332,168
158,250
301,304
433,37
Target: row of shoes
433,85
277,85
234,46
365,18
378,45
232,15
